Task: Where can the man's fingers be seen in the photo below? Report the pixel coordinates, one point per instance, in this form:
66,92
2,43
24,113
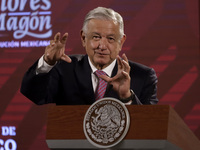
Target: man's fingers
126,66
126,74
57,37
106,78
52,43
120,64
123,63
64,38
66,58
124,57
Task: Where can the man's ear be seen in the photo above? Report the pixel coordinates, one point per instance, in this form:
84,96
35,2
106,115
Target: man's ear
123,39
82,38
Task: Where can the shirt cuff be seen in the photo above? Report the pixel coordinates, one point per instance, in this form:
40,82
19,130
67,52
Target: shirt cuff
43,67
129,103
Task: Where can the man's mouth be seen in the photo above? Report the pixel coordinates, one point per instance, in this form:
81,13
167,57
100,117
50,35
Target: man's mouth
101,52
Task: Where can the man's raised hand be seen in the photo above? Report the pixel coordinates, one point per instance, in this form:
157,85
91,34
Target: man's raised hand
56,50
121,81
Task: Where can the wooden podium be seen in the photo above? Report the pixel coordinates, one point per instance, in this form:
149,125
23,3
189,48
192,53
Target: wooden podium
155,127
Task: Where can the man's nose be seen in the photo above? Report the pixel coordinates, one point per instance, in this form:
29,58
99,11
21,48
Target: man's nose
103,43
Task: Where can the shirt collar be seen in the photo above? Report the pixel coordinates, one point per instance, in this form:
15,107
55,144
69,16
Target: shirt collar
108,70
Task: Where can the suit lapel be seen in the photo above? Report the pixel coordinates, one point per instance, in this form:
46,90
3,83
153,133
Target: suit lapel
83,74
115,69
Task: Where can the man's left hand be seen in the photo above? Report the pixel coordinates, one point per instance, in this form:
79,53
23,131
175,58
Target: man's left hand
121,81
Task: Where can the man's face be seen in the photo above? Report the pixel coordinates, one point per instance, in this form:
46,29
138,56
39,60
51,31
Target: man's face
102,42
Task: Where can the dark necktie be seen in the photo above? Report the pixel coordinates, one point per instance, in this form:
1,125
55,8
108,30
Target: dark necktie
101,87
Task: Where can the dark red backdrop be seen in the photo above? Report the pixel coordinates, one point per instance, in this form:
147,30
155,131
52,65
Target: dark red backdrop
163,34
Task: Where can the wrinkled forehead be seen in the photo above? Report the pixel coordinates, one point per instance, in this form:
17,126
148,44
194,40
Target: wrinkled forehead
103,25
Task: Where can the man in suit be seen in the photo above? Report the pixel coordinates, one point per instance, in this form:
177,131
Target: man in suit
73,80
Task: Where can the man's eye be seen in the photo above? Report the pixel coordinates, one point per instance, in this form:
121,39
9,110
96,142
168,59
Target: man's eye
110,39
96,37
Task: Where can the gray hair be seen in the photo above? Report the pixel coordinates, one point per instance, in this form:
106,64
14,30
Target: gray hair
104,13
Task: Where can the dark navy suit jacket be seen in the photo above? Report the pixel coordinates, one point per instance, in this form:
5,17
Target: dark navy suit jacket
71,84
